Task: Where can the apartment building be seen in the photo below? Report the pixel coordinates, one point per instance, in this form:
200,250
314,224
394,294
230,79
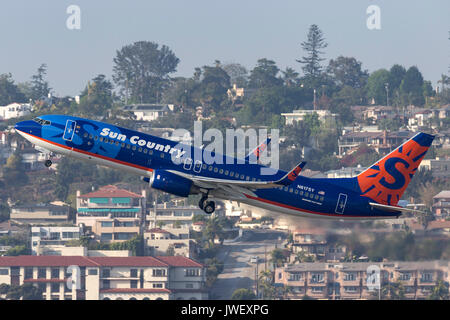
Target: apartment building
111,213
48,240
172,215
107,278
158,241
350,280
40,214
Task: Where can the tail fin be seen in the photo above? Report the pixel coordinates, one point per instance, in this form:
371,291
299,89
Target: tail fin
386,180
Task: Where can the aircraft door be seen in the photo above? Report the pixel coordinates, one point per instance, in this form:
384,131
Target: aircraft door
69,130
342,201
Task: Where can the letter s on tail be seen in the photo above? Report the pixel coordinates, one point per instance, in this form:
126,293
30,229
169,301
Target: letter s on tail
386,180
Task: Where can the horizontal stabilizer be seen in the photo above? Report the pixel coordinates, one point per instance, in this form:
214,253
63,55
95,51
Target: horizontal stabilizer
292,175
388,208
256,153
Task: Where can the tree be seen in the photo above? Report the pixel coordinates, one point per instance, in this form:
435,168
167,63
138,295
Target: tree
278,257
440,291
9,92
96,99
411,87
396,75
39,86
290,77
376,86
312,46
213,87
4,212
346,71
243,294
238,74
142,69
170,250
264,74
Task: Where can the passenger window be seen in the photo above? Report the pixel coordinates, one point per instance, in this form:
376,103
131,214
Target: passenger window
128,146
133,148
311,195
316,197
221,171
140,149
301,193
321,198
85,135
96,138
306,194
226,172
105,140
247,178
210,168
117,143
162,155
242,176
101,139
91,136
291,190
150,151
296,191
145,151
122,144
204,166
215,170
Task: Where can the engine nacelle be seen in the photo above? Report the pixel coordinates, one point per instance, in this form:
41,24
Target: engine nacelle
171,183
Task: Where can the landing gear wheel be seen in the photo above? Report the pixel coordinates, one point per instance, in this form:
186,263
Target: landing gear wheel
209,207
48,163
202,201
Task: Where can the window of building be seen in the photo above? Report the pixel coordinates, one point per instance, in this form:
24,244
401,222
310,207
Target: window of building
106,236
55,273
42,273
157,285
159,272
92,272
28,273
106,284
133,273
106,273
4,272
54,288
192,272
133,284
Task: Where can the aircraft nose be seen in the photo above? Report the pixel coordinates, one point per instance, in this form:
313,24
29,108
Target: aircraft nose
27,126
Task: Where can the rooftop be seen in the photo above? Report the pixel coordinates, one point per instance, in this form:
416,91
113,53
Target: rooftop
65,261
443,194
111,191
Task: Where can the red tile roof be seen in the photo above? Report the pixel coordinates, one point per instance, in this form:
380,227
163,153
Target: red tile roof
45,280
111,191
135,290
65,261
128,261
179,261
46,261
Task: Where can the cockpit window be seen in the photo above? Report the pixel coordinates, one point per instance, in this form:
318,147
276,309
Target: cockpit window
42,122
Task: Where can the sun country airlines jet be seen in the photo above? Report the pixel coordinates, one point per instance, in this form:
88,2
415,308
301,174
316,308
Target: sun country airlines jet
373,194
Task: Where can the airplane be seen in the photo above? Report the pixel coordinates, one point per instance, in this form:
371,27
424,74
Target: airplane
373,194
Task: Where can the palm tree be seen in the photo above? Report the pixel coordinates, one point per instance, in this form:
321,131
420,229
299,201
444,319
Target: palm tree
290,77
440,291
265,283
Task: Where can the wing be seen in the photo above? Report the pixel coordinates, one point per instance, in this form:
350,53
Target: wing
213,183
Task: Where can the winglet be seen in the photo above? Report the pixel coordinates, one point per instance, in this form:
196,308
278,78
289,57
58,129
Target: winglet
292,175
255,154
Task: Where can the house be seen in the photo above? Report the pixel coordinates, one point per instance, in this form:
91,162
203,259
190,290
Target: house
382,141
107,278
112,213
440,168
441,204
158,241
148,111
37,214
377,113
299,115
14,110
47,240
169,214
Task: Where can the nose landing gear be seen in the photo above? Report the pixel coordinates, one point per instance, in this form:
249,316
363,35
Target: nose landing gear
48,163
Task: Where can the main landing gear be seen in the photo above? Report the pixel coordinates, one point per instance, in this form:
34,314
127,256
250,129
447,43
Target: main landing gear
48,163
206,205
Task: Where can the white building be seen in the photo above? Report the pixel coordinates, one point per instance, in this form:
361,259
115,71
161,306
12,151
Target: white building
14,110
299,115
108,278
158,241
148,112
46,240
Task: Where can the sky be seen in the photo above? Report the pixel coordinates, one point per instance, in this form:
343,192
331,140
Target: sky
202,31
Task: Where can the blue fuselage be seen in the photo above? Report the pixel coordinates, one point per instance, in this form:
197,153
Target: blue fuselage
142,154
